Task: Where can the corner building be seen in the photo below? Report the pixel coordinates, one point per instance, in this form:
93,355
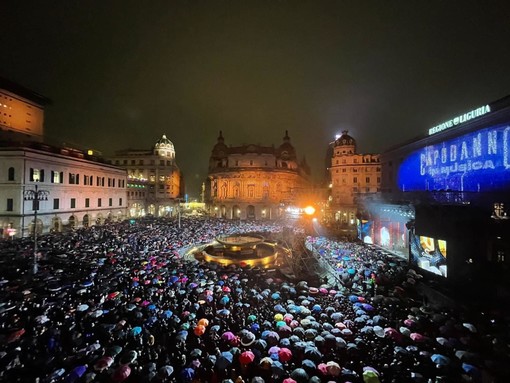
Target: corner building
155,183
254,181
353,175
76,188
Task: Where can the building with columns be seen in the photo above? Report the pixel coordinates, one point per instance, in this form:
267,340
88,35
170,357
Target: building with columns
353,175
253,181
155,183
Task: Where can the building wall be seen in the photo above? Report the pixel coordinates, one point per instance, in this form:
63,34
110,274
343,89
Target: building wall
20,115
352,175
154,179
253,181
79,191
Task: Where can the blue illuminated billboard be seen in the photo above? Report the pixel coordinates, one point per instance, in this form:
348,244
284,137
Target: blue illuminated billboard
477,161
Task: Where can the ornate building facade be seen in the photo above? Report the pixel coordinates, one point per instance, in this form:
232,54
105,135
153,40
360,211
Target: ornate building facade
254,181
352,175
155,183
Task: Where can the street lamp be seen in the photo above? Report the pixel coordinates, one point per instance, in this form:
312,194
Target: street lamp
36,196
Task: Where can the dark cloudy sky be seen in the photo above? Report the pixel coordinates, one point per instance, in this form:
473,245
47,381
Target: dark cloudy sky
122,73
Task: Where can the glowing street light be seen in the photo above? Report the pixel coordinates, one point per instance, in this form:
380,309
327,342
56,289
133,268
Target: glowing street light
309,210
36,196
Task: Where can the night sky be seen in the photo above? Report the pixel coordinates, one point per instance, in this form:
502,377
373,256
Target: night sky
122,73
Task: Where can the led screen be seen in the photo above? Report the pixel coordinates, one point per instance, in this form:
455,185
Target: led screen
478,161
429,254
365,230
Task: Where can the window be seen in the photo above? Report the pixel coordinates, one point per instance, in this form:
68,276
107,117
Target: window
378,180
87,202
344,170
113,182
120,201
72,179
251,162
355,179
367,180
99,202
10,204
57,177
124,162
36,175
73,203
133,162
162,162
110,201
10,174
56,203
237,163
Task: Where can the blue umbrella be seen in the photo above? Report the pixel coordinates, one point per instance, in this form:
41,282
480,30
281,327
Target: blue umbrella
277,368
187,374
279,309
223,312
224,300
346,258
316,308
440,359
224,360
136,330
182,335
152,307
351,271
275,296
135,283
167,313
353,298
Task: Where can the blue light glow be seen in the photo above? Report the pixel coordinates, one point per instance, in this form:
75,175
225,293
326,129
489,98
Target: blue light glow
478,161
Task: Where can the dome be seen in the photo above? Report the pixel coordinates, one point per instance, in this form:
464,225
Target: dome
164,147
345,140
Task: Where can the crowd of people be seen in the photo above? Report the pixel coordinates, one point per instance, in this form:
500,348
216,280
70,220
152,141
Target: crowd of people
119,303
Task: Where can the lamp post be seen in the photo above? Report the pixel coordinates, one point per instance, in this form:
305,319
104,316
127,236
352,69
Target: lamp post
35,196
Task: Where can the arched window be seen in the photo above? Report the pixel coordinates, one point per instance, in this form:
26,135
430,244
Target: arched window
10,174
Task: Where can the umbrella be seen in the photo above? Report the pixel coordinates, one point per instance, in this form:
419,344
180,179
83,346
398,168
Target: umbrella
199,330
246,357
165,371
195,353
370,376
129,357
284,354
82,307
313,353
277,368
440,359
187,374
299,375
121,373
333,368
470,327
14,336
224,360
135,331
103,363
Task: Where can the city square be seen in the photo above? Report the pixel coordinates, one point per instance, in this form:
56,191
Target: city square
283,191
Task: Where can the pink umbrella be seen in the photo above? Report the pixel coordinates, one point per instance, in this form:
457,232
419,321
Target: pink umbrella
228,336
121,373
103,363
322,290
417,337
274,350
323,368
